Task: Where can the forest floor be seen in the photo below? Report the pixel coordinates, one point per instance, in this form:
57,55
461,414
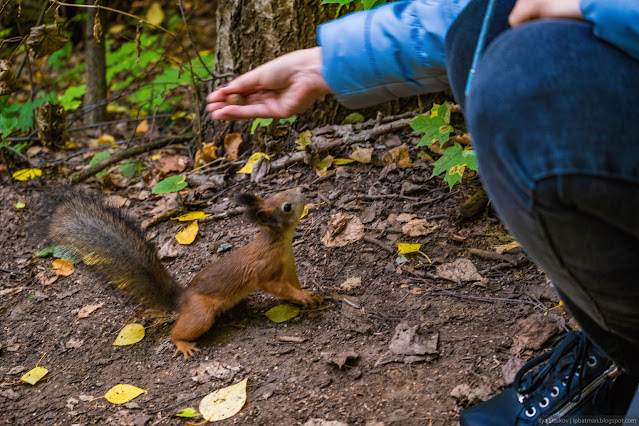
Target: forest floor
391,344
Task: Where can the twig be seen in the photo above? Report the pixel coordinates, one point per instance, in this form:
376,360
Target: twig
11,271
378,243
489,255
136,150
224,215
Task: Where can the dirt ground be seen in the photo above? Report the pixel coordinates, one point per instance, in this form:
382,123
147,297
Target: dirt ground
461,339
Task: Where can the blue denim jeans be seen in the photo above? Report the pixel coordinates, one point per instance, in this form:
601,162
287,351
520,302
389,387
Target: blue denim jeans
554,116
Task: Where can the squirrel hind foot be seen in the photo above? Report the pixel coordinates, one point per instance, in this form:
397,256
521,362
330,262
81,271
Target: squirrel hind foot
186,348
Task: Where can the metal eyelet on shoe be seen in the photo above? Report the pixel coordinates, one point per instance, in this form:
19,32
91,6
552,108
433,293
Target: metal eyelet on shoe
592,361
531,412
544,402
554,392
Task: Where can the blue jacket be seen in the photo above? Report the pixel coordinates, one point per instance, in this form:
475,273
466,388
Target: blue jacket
398,49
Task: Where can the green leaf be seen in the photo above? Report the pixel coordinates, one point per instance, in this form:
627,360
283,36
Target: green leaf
264,122
46,251
353,118
70,99
290,120
188,412
99,157
340,2
441,111
31,296
435,129
369,4
7,125
130,167
170,184
453,157
281,313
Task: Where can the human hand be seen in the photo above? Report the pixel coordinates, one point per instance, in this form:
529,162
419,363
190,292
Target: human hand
529,10
280,88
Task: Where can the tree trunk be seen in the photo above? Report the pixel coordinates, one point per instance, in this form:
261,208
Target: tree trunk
251,32
95,55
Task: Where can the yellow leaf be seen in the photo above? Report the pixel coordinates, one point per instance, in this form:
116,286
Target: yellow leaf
26,174
20,204
248,167
142,128
404,248
118,28
322,167
178,114
119,394
342,161
112,107
304,140
561,303
155,14
70,145
224,403
130,334
63,267
156,157
505,247
33,376
304,212
188,235
191,216
106,139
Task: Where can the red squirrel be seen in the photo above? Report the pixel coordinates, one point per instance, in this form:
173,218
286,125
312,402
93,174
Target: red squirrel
108,240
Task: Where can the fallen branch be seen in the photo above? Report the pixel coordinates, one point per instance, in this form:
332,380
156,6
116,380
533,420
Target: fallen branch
127,153
489,255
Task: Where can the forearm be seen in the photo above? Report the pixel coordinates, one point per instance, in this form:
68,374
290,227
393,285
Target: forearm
391,51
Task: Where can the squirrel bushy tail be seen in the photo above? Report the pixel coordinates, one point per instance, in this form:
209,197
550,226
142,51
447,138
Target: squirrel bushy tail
106,239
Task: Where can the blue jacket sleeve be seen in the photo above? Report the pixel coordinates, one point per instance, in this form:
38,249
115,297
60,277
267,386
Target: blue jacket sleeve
616,21
395,50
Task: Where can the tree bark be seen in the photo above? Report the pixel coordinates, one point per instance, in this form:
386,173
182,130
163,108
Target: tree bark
95,55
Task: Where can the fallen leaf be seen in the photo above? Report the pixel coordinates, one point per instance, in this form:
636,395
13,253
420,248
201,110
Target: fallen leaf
342,358
304,140
343,230
506,247
248,167
304,212
26,174
188,412
130,334
404,248
63,267
232,143
32,377
106,139
117,201
362,155
351,284
461,270
282,313
119,394
399,156
533,332
73,343
224,403
321,168
342,161
170,184
191,216
187,236
173,163
87,310
142,128
20,204
511,368
408,340
207,154
418,227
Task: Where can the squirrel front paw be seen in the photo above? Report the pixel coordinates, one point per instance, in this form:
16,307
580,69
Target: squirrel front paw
310,300
186,348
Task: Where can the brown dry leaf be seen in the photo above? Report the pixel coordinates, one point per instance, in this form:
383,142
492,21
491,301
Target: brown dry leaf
63,267
142,128
232,143
343,230
8,82
402,218
461,270
45,39
362,155
87,310
207,154
533,332
418,227
511,368
173,163
342,358
399,156
118,201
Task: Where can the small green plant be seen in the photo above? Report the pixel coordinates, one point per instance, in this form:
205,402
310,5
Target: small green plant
265,122
436,128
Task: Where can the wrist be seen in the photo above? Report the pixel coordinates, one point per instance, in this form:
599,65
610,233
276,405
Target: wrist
312,67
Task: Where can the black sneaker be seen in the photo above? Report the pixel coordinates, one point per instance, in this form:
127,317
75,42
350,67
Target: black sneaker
575,379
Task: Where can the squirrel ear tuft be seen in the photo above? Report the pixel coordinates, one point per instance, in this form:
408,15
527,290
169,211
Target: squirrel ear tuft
249,200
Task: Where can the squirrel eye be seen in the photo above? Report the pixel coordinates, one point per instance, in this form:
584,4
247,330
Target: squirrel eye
287,207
